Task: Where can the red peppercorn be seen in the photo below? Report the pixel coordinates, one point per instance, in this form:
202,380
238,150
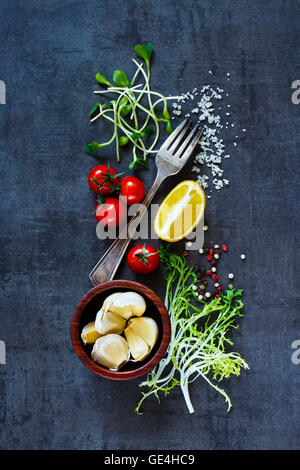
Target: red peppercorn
215,277
219,288
224,247
211,251
209,257
217,295
209,272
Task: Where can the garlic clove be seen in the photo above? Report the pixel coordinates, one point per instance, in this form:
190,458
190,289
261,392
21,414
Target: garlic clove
108,322
137,345
111,351
146,328
126,304
89,333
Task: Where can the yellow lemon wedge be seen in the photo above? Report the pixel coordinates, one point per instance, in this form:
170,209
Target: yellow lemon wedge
180,212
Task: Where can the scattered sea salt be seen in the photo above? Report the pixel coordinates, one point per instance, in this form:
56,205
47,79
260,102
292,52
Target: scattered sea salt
205,101
212,146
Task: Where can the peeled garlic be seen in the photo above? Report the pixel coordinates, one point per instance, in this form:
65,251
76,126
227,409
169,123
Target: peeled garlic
89,333
141,334
111,351
137,345
126,304
109,322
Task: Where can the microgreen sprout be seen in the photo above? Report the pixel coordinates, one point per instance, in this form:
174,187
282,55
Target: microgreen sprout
198,341
135,113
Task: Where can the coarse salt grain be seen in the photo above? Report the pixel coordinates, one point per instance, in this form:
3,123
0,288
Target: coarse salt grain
212,145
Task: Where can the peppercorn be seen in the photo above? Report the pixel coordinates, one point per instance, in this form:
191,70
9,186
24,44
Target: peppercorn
224,247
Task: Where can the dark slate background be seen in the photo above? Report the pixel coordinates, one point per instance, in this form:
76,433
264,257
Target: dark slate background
50,52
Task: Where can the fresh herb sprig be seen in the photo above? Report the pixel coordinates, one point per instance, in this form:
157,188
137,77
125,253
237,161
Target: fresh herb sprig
197,347
124,112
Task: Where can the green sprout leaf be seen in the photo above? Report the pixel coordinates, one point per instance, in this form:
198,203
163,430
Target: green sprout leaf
144,52
166,113
124,107
102,80
138,161
169,128
92,148
123,140
120,78
149,49
139,135
95,108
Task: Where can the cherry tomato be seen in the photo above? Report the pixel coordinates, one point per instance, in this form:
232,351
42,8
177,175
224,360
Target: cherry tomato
132,189
103,179
112,213
143,259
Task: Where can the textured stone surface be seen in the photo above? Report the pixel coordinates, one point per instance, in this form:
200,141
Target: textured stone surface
50,52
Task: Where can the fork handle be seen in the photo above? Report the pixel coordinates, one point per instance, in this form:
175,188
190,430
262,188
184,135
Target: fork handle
106,268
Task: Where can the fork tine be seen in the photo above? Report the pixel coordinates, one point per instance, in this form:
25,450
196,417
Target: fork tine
192,145
173,136
179,138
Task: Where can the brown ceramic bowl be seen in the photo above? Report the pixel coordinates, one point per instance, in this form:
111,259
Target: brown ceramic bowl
86,311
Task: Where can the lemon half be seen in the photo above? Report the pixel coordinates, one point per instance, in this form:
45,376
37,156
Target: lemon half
180,211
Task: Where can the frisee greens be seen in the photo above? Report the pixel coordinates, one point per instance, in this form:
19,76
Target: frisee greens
199,335
124,113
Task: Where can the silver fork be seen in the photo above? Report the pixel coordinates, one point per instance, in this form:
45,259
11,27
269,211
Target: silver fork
170,159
